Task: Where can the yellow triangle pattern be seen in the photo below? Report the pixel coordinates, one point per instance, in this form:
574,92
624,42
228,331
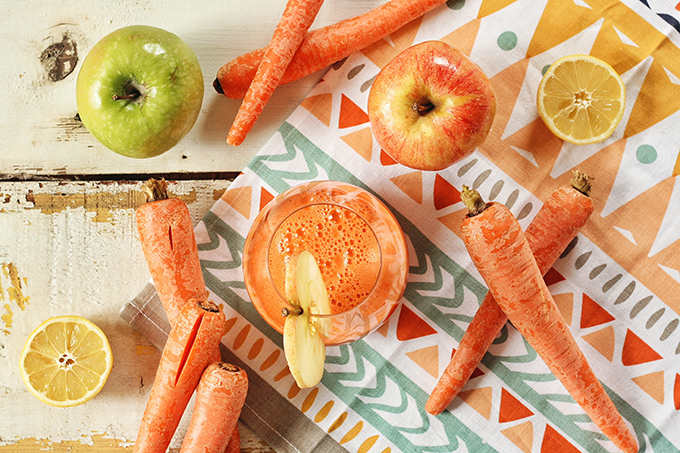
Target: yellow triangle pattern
321,106
521,435
652,384
479,400
240,199
411,184
360,141
565,303
427,359
603,341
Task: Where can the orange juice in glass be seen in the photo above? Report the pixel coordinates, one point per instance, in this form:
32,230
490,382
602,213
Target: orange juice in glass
358,245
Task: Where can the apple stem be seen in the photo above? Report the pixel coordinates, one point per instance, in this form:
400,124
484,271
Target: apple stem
297,311
422,109
115,97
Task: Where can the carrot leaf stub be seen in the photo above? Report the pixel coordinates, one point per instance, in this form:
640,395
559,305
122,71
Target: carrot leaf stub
473,201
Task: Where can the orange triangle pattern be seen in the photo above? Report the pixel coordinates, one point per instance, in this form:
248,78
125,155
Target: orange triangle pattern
676,392
427,359
350,114
445,194
552,276
565,303
479,400
592,313
265,197
412,326
652,384
603,341
360,141
386,159
411,184
511,408
239,199
554,442
320,106
521,435
636,351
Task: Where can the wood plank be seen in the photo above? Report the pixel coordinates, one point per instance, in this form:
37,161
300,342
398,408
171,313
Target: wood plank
72,248
38,115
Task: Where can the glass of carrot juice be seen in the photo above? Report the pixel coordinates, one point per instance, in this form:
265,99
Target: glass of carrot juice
357,242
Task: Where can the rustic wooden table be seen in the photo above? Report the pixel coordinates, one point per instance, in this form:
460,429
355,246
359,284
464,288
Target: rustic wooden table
68,242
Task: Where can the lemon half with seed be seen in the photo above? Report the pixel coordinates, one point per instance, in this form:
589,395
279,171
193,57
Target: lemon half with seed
66,361
581,99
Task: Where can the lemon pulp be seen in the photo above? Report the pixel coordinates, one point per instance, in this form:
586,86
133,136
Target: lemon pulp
581,99
66,361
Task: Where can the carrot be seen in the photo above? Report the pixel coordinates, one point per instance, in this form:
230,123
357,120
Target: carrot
220,395
188,350
324,46
558,221
296,19
167,237
234,445
502,255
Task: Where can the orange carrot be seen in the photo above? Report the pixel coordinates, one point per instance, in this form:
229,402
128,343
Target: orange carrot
220,395
296,19
558,221
502,255
324,46
234,445
169,245
188,350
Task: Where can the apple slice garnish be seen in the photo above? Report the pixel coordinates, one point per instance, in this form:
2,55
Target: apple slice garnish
302,333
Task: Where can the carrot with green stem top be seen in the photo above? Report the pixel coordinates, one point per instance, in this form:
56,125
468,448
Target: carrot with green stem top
220,396
502,255
558,221
188,350
297,17
167,237
324,46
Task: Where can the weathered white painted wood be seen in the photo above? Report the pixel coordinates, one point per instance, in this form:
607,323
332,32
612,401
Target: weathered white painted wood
72,248
40,135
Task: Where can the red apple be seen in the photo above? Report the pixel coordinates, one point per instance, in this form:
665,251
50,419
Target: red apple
431,106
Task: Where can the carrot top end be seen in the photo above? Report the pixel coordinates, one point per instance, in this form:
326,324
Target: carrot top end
473,201
581,182
155,190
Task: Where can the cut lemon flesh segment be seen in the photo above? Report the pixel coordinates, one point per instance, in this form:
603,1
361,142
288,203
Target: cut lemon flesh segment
581,99
66,361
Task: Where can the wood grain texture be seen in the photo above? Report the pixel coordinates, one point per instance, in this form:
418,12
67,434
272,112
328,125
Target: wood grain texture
46,42
72,248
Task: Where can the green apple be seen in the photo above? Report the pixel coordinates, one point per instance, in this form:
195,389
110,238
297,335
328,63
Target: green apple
140,90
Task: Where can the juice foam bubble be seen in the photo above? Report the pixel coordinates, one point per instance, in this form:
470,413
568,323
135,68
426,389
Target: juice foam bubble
343,244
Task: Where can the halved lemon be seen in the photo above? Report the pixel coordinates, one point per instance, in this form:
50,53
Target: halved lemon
66,361
581,99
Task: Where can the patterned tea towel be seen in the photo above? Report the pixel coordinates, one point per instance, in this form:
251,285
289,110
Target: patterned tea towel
617,284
